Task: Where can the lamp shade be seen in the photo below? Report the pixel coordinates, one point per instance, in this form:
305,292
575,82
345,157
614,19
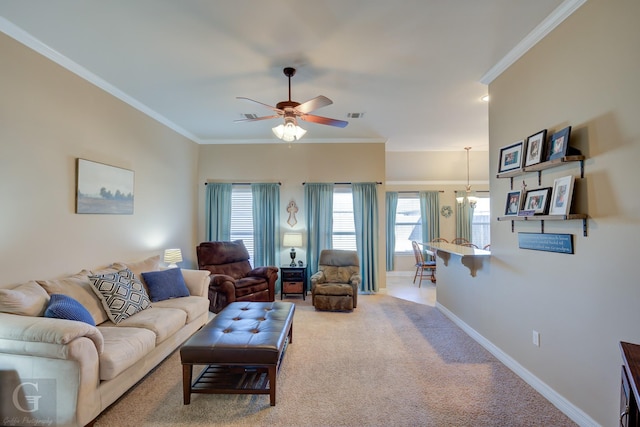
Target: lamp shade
172,257
292,240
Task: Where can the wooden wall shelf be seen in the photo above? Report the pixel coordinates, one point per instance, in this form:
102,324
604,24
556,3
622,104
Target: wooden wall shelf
543,218
539,167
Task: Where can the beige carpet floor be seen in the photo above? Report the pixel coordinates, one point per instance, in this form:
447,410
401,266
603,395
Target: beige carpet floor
391,362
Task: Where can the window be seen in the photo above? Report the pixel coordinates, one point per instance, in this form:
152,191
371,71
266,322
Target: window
408,222
344,228
242,216
480,223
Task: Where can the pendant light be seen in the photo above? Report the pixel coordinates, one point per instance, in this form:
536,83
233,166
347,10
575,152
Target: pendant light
469,195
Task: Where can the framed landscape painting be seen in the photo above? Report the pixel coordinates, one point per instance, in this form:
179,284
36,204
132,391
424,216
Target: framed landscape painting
103,189
511,157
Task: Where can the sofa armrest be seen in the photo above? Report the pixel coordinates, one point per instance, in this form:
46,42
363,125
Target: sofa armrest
65,351
46,330
318,277
356,280
197,281
267,272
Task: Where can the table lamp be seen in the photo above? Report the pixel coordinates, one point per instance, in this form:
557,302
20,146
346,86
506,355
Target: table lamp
172,257
293,240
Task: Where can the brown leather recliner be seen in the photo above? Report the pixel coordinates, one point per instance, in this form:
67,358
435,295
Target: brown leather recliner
232,278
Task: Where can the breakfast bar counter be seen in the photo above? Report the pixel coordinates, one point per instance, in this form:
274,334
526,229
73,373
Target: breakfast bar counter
470,257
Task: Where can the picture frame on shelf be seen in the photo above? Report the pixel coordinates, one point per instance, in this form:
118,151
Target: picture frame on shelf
535,148
513,203
559,143
562,195
511,157
537,201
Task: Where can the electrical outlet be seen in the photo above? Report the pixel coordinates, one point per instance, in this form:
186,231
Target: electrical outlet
536,338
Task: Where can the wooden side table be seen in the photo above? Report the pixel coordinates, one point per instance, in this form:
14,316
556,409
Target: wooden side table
294,280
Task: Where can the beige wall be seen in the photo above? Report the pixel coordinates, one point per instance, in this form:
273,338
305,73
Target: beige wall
292,165
48,118
583,74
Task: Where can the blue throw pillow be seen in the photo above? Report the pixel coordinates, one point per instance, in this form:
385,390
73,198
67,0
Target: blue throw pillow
165,284
64,307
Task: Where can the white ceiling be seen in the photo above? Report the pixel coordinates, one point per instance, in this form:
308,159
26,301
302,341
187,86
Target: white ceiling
415,68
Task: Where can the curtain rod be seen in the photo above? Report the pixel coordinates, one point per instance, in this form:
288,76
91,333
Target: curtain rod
341,183
411,192
247,183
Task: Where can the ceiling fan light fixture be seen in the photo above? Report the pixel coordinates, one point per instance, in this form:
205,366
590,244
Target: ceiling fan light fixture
289,131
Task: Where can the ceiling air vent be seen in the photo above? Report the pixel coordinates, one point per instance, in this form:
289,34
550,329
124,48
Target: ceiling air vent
355,115
249,116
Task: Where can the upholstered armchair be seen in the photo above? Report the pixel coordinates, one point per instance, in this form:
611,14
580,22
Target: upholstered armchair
232,278
334,287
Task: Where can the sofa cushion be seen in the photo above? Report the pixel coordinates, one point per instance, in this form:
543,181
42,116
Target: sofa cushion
122,295
334,289
163,322
165,284
193,306
27,299
123,347
139,267
64,307
79,288
339,274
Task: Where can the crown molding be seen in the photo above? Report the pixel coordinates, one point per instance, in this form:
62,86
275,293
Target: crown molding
561,13
33,43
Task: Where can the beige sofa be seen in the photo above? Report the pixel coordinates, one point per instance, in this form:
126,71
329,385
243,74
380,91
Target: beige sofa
91,366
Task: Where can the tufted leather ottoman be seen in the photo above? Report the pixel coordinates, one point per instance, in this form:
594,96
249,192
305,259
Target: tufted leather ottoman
242,347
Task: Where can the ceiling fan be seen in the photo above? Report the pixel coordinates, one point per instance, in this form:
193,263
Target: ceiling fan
292,110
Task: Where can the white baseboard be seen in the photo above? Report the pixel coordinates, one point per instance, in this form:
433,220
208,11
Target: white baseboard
576,414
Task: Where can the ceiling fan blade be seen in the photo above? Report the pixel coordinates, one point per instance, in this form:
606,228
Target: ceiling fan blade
257,119
313,104
324,120
261,103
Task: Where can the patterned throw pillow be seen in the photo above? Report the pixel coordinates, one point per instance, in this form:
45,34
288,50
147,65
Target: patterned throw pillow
122,294
64,307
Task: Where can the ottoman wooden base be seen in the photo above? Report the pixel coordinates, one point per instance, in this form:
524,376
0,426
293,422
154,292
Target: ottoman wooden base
242,348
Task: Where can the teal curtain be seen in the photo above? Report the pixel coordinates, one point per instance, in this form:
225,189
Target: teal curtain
266,223
464,216
218,212
365,213
391,201
318,204
430,212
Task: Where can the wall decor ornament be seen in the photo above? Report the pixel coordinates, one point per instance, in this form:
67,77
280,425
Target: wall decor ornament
103,189
292,208
446,211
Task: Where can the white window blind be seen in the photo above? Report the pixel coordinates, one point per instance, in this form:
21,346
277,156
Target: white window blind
481,223
242,216
408,222
344,228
